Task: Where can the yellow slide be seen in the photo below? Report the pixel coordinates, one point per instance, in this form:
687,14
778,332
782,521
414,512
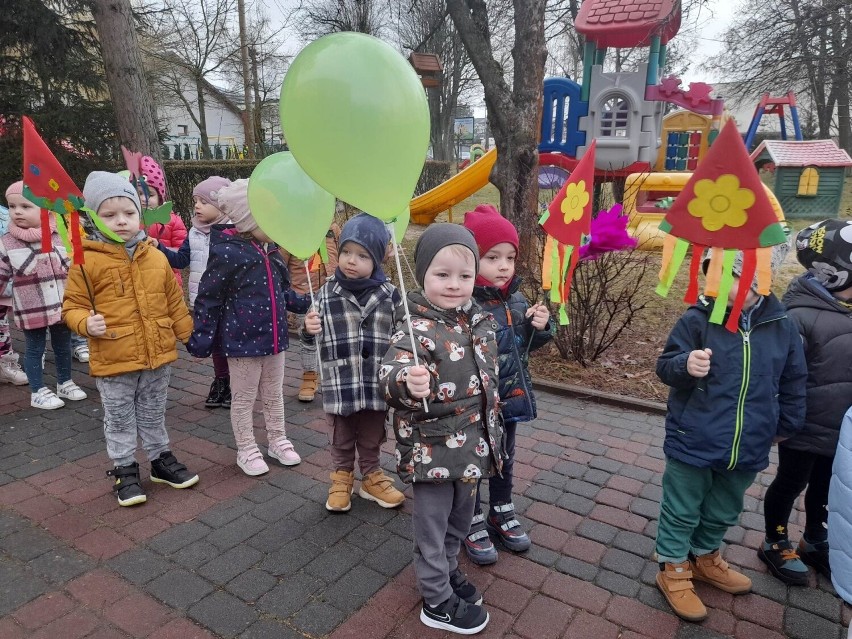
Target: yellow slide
424,208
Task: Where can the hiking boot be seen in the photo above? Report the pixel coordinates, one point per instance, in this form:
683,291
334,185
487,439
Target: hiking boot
308,389
168,470
226,395
10,370
46,399
378,487
283,451
81,353
675,582
251,462
480,549
217,392
455,615
783,562
464,589
340,492
127,485
70,390
815,556
503,523
714,570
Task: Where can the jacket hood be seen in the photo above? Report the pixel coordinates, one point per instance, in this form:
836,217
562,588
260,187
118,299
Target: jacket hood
806,292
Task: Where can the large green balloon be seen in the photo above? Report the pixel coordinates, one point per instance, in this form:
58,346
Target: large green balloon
355,116
400,224
289,206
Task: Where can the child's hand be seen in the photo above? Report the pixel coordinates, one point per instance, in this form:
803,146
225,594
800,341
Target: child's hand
313,325
698,363
95,324
154,241
540,316
417,382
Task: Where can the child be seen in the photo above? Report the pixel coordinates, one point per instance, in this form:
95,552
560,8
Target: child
522,328
240,310
356,309
10,369
445,451
38,284
194,253
820,304
840,514
172,233
126,301
731,395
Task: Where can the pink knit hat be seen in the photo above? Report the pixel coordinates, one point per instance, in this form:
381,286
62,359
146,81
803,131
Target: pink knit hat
16,188
154,176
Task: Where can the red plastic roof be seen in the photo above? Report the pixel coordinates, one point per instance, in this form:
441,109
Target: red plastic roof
628,23
803,153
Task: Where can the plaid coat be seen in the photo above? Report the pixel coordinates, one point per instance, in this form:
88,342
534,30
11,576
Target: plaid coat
353,342
38,278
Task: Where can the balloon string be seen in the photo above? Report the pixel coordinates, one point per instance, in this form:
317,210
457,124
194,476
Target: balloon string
313,308
397,248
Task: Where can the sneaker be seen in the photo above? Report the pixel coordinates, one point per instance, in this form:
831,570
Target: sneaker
81,353
675,582
46,399
340,493
217,391
480,549
815,556
127,485
378,487
168,470
283,451
503,523
70,390
463,589
455,615
714,570
308,389
783,562
251,462
11,371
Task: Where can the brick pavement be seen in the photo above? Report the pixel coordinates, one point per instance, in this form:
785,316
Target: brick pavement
261,557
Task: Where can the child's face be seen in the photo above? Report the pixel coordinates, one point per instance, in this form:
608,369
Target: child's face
206,213
750,300
448,282
120,216
498,264
354,261
23,213
153,198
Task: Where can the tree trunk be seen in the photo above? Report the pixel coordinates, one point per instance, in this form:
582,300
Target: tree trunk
128,88
248,122
202,118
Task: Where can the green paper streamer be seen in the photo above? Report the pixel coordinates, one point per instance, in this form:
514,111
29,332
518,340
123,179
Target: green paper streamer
563,315
323,251
99,224
160,215
725,284
544,217
63,233
554,275
681,247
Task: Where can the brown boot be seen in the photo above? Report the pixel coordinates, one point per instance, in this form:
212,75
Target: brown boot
714,570
379,488
308,389
340,493
675,582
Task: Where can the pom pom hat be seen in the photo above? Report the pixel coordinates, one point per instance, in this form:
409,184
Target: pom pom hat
489,228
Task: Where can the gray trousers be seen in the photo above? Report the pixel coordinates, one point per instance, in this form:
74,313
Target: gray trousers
135,406
441,520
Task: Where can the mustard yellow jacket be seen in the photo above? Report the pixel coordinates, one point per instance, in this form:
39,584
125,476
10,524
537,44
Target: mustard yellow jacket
140,300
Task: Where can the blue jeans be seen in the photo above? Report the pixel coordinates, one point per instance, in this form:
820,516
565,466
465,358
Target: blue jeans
60,339
500,488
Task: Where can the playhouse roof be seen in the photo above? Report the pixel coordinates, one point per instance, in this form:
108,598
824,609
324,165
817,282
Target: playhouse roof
628,23
802,153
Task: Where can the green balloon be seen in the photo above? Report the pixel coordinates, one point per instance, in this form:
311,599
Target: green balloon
400,224
355,116
289,206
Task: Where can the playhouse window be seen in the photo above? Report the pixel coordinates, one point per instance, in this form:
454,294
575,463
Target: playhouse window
808,182
615,122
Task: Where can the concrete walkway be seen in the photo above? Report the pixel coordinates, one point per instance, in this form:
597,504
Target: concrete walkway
260,557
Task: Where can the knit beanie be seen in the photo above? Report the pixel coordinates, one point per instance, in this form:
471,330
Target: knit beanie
368,232
779,254
489,228
16,188
208,190
102,185
825,249
154,176
436,237
233,202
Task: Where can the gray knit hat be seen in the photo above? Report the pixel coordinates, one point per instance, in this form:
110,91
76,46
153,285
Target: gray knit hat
101,186
436,237
233,202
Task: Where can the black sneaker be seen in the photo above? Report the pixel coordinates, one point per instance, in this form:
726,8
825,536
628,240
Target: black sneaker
216,394
127,485
168,470
503,523
226,394
464,589
815,556
456,616
784,562
478,545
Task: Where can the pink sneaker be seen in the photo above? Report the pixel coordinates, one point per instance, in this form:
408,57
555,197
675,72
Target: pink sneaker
251,462
283,451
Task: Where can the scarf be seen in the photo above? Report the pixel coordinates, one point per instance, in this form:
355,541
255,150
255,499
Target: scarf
129,245
28,235
361,287
205,227
504,290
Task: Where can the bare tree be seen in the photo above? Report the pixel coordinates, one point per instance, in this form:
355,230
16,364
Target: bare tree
321,17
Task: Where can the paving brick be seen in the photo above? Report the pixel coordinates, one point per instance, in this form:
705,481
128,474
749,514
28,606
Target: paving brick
27,544
519,570
618,518
331,564
543,618
542,493
235,532
624,485
139,565
223,614
817,602
720,621
548,537
230,564
764,584
60,565
272,538
291,558
98,589
137,613
617,584
182,629
800,624
576,593
577,568
640,618
17,587
553,516
289,595
575,503
10,629
634,543
694,631
582,488
77,623
585,626
759,610
179,588
272,629
317,618
41,507
43,610
623,562
176,538
748,630
507,596
542,556
597,531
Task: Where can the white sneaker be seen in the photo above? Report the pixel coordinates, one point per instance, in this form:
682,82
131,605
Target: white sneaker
46,399
70,390
10,370
81,353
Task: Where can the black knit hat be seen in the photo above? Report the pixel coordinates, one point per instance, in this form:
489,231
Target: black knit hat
436,237
825,249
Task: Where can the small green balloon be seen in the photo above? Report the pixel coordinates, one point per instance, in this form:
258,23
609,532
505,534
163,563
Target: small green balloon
289,206
355,117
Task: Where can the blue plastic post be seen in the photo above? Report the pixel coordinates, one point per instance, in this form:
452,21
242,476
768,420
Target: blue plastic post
653,62
783,124
588,63
797,130
752,129
600,55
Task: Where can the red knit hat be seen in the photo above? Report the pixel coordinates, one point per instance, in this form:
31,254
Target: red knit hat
489,228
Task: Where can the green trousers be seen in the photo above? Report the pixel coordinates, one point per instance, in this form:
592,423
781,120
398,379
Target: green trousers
698,507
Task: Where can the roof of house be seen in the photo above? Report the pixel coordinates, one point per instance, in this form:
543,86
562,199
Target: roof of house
628,23
802,153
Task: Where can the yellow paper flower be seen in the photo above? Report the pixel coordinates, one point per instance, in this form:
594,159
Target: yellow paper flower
576,199
721,202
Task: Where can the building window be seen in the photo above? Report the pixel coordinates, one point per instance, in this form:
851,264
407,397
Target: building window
808,182
183,129
615,118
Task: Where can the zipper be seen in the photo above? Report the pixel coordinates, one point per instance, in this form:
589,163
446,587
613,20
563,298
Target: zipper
272,303
527,395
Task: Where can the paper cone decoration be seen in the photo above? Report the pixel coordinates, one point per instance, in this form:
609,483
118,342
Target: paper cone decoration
723,206
567,222
47,185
